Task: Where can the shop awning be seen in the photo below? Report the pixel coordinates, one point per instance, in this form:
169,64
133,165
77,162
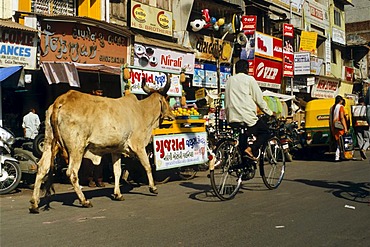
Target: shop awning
10,77
61,73
282,97
161,43
98,68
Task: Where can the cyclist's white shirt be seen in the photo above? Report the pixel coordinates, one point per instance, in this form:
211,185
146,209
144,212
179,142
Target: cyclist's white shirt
242,95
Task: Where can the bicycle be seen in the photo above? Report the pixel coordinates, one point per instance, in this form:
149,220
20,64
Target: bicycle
228,171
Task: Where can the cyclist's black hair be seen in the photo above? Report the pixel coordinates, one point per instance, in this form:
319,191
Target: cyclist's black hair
241,66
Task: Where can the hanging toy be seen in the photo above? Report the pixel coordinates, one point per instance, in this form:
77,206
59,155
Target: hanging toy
207,18
197,25
126,72
220,22
236,23
182,76
216,27
213,20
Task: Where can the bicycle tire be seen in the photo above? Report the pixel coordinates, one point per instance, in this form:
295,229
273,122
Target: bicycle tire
272,163
225,181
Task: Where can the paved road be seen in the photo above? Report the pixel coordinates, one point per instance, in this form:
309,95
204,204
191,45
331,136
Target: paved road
319,203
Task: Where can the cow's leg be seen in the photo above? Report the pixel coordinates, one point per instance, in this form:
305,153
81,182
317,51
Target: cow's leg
144,160
75,159
116,159
43,167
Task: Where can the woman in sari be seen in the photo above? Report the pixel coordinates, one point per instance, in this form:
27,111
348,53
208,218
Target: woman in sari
338,115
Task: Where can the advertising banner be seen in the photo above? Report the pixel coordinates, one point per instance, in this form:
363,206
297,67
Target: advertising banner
178,150
269,47
302,64
205,75
155,80
288,50
18,48
146,56
80,43
325,88
308,42
205,47
348,73
249,23
316,64
151,19
268,73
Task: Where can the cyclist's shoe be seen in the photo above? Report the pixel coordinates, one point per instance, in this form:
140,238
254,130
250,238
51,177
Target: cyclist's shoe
249,154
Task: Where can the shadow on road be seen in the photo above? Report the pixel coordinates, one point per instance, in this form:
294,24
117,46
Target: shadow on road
355,192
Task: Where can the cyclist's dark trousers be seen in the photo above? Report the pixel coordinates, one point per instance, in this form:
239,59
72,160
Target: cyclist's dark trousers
261,132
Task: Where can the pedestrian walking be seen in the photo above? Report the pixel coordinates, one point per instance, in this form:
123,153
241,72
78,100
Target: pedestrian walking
30,124
361,127
338,124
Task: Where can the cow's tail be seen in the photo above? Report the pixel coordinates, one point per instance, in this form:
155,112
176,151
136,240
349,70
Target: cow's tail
55,143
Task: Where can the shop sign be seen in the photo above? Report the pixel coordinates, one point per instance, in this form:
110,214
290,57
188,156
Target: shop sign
249,23
325,88
302,65
328,56
155,80
200,93
316,64
18,48
308,42
318,14
288,50
296,4
338,36
268,73
268,46
206,46
348,73
146,56
74,42
150,19
205,75
171,151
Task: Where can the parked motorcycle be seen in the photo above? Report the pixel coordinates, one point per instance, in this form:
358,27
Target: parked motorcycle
18,164
10,172
290,137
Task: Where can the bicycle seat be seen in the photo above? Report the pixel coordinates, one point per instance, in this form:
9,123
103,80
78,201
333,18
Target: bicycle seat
237,125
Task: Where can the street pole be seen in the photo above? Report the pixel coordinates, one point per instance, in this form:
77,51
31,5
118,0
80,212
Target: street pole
291,78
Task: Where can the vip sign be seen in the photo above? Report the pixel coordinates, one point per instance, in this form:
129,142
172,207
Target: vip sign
268,73
269,46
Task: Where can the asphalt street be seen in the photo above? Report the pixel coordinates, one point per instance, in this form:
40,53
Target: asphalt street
319,203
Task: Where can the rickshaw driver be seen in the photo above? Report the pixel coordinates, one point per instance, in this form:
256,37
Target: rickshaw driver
242,95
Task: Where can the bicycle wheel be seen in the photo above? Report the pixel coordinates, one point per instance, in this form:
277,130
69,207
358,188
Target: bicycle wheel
272,163
226,181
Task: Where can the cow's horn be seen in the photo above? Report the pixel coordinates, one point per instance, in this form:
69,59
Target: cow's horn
145,88
166,87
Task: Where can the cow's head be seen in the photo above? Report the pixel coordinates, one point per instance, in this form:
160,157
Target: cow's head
166,112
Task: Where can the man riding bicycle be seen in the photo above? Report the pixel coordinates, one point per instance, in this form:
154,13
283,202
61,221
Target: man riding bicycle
242,96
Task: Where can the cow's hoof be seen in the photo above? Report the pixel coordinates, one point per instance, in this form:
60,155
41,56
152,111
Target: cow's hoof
153,190
34,210
87,204
118,198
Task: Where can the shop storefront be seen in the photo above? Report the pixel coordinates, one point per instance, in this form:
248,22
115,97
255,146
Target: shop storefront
82,54
18,50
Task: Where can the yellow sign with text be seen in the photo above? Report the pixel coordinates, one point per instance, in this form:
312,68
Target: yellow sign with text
308,42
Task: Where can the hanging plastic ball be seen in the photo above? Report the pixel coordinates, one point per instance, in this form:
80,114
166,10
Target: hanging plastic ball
221,21
216,27
213,20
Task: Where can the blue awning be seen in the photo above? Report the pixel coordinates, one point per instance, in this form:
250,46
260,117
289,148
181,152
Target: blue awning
10,77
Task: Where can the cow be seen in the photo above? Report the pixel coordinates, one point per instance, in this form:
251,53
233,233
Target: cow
80,125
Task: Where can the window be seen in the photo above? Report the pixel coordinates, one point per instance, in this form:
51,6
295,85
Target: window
53,7
337,17
333,56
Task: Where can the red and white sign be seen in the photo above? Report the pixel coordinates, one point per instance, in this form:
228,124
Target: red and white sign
268,46
268,72
178,150
155,80
325,88
348,73
249,23
288,50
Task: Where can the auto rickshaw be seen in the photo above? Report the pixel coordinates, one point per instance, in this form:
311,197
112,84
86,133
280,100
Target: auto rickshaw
317,132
